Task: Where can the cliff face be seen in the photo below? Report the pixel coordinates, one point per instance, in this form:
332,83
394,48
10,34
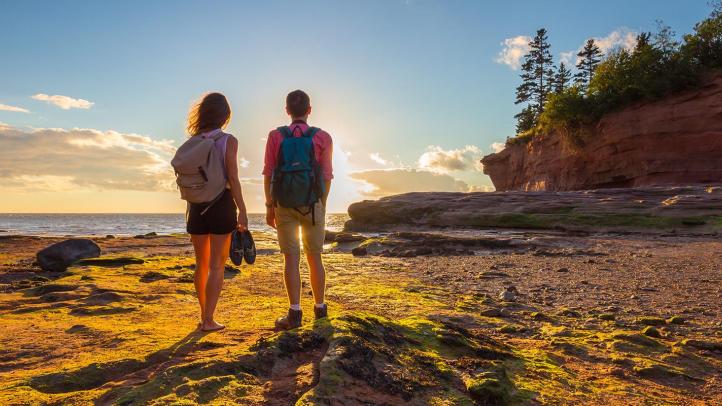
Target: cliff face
677,140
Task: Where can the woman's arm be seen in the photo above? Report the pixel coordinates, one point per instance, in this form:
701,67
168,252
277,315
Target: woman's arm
235,182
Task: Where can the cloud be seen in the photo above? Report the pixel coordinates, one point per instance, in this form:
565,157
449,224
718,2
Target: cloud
498,146
376,157
243,162
64,102
569,58
620,38
438,160
52,159
384,182
5,107
513,50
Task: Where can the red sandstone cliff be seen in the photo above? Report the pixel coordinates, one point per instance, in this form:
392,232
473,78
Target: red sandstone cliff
677,140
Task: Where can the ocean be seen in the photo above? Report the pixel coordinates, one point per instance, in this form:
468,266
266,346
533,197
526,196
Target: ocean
119,224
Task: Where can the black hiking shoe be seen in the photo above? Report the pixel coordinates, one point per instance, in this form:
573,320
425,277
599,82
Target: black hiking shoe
249,247
236,252
320,312
290,321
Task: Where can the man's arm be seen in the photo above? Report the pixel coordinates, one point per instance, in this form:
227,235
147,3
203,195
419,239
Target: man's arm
327,189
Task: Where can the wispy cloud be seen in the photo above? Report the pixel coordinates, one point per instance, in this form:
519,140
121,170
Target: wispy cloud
436,159
64,102
6,107
54,159
376,157
384,182
498,146
623,38
513,49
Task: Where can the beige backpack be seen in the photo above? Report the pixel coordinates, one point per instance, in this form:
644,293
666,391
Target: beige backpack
199,169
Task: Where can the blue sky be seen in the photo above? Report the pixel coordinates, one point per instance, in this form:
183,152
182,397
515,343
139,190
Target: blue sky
390,80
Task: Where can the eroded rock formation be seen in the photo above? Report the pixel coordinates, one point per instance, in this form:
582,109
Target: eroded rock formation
674,141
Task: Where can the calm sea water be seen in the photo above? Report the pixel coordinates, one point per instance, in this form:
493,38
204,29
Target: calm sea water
119,224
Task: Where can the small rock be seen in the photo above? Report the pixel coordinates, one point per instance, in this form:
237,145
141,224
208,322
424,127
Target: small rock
702,344
563,270
650,331
231,269
509,329
650,321
348,237
676,320
359,251
539,316
607,316
330,236
490,312
508,295
570,313
109,237
617,372
59,256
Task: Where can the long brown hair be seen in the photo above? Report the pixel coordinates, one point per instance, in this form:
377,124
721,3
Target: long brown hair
211,112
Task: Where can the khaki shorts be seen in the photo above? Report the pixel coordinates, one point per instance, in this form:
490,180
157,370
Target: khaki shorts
289,220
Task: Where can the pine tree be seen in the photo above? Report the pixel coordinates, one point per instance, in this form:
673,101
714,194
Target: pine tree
589,58
664,39
537,77
562,78
525,119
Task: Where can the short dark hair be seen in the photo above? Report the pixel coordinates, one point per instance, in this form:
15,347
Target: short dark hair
297,103
211,112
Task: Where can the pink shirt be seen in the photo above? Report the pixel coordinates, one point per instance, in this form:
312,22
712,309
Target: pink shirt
322,147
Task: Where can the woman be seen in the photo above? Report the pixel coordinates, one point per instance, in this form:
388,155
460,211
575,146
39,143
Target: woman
210,225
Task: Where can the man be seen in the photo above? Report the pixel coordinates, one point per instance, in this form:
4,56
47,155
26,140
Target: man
297,177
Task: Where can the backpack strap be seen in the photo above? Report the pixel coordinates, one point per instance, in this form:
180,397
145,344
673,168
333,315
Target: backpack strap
285,131
311,132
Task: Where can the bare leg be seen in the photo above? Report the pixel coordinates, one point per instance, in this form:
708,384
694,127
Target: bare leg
292,277
318,276
202,248
220,245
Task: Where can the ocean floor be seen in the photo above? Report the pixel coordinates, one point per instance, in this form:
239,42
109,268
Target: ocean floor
453,319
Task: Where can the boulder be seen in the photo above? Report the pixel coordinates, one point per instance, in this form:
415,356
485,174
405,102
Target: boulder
359,251
59,256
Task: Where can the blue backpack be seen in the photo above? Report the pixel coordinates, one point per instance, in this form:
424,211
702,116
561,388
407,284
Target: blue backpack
296,181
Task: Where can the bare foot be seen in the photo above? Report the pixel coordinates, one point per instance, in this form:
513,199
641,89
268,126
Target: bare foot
211,326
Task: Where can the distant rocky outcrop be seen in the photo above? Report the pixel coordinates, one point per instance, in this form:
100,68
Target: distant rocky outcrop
674,141
59,256
653,209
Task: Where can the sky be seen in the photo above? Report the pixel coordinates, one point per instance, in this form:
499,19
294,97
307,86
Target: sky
94,94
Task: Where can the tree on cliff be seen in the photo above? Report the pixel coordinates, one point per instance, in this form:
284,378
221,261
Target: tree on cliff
525,119
562,78
704,47
537,79
589,57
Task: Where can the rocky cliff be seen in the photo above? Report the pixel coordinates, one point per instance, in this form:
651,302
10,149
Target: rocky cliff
677,140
